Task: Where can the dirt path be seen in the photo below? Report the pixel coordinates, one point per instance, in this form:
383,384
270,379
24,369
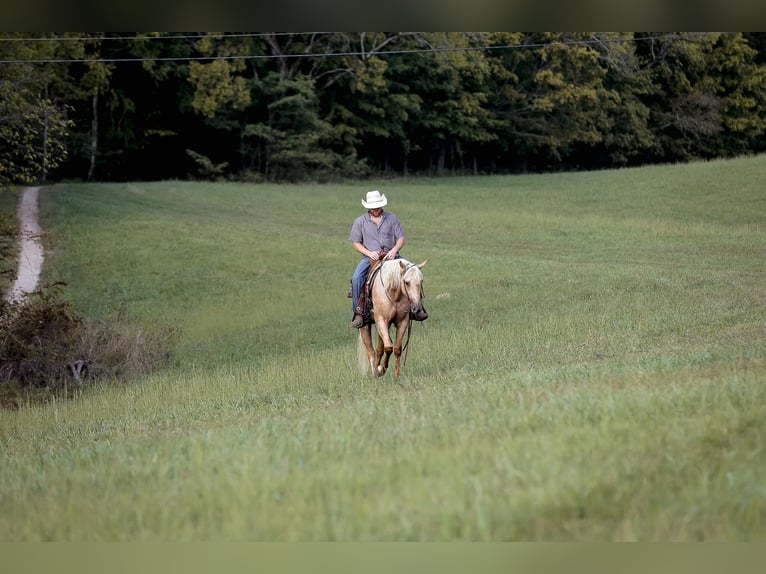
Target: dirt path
31,253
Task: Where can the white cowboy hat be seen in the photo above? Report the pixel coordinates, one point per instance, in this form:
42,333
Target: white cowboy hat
375,199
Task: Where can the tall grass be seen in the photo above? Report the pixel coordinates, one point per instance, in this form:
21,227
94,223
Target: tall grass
592,369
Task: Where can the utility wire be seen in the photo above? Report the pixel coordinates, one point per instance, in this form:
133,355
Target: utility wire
595,41
158,37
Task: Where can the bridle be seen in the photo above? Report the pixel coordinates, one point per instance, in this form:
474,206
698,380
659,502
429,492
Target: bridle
385,289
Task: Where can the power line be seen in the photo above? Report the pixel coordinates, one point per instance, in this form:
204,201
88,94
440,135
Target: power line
157,37
595,41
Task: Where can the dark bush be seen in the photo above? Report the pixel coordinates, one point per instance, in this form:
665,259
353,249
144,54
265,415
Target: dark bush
8,245
39,338
46,347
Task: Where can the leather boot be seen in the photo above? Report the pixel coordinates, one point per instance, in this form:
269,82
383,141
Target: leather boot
357,322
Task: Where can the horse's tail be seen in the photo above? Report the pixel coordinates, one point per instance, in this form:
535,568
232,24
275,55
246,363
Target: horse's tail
361,355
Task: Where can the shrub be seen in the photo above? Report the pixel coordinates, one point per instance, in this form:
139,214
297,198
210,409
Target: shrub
39,338
121,348
45,345
8,235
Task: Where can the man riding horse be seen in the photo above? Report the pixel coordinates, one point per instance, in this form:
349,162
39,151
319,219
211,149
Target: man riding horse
377,235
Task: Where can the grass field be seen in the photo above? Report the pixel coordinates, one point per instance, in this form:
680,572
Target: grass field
593,366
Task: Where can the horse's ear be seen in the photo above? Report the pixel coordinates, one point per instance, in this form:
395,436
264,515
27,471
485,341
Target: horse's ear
403,266
422,264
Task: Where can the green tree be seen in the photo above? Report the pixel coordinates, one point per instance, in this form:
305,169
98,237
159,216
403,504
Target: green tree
552,96
83,87
740,83
691,99
272,106
454,116
328,105
624,122
424,110
295,134
33,127
371,105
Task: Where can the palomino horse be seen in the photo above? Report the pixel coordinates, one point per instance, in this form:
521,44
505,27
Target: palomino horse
397,295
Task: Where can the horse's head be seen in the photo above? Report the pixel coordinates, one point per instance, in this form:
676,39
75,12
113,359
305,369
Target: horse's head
412,282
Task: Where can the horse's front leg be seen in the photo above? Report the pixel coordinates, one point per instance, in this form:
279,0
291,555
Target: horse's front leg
380,367
385,346
401,327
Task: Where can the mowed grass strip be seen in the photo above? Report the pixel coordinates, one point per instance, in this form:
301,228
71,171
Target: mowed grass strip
592,369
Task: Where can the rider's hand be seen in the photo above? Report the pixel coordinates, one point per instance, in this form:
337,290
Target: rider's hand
390,255
374,255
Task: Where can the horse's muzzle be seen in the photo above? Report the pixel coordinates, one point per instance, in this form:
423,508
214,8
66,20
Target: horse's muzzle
419,314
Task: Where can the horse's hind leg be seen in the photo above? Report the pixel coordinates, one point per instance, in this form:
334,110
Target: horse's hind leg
365,336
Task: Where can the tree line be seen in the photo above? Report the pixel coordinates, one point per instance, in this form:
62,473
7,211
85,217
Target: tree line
324,106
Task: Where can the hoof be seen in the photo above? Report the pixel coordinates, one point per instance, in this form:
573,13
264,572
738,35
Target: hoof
380,370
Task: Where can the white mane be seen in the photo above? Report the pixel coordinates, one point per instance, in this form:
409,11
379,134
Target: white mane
391,274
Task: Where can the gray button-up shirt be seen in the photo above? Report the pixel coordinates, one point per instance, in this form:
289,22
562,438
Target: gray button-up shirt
376,237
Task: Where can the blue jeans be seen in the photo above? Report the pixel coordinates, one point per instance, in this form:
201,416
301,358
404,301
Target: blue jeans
357,282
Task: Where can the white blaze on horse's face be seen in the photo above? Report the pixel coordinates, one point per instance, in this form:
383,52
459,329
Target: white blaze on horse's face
413,285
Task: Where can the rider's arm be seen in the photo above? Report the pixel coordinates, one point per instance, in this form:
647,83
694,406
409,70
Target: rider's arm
364,251
395,249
